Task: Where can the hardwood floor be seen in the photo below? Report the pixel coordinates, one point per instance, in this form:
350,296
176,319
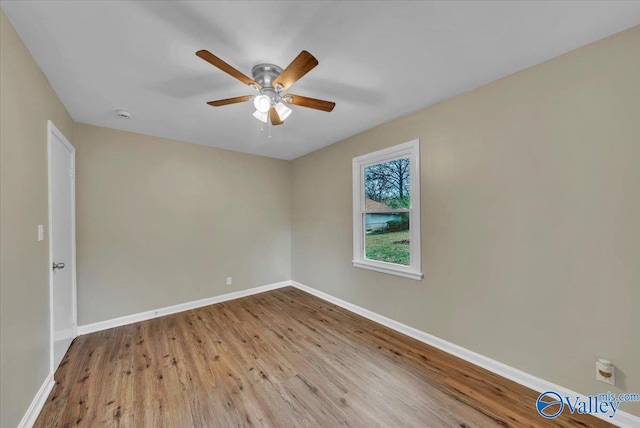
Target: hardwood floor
282,358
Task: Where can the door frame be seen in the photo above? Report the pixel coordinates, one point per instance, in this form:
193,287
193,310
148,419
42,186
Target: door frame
52,131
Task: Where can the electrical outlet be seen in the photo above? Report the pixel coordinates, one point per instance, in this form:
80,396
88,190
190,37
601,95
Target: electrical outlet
605,371
229,280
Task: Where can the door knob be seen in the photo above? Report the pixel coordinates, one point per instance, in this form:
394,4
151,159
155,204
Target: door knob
58,265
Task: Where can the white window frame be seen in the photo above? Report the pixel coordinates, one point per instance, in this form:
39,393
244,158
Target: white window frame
411,150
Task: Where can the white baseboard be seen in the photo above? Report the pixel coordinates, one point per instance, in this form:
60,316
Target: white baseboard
63,334
37,404
143,316
622,419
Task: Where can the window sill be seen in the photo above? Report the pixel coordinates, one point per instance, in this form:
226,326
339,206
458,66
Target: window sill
388,270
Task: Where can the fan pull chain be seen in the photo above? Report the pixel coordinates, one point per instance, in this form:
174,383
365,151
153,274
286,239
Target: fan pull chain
269,126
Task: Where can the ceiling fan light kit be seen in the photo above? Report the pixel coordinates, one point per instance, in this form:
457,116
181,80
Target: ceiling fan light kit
271,81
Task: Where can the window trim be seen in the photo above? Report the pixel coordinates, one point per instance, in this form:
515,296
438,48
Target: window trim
409,149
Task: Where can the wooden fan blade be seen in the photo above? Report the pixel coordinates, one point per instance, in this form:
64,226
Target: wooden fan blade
275,117
317,104
300,66
233,100
217,62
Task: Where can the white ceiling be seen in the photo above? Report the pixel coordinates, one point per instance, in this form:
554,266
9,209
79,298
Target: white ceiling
378,60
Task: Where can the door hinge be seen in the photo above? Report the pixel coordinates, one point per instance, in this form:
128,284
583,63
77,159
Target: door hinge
72,173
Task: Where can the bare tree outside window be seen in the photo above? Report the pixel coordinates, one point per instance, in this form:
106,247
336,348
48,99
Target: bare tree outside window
387,219
389,183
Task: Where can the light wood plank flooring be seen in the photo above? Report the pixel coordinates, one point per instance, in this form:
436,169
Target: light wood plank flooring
283,359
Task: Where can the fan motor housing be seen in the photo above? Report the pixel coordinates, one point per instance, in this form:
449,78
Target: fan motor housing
265,74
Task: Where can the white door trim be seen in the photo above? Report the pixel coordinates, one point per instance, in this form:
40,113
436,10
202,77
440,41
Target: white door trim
52,130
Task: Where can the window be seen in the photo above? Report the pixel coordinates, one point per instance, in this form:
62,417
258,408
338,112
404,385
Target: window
386,210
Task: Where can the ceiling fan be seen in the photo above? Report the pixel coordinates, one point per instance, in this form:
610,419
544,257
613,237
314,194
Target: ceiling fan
271,82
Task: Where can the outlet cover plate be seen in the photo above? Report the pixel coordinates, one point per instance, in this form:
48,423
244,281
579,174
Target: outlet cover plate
611,370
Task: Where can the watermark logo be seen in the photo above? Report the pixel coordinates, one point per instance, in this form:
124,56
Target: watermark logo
550,404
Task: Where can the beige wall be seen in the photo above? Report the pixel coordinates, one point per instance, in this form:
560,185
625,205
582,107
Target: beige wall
530,219
27,101
162,222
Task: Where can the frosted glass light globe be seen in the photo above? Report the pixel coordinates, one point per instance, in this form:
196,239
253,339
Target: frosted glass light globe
262,103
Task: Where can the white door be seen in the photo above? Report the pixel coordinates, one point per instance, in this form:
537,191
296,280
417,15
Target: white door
61,244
